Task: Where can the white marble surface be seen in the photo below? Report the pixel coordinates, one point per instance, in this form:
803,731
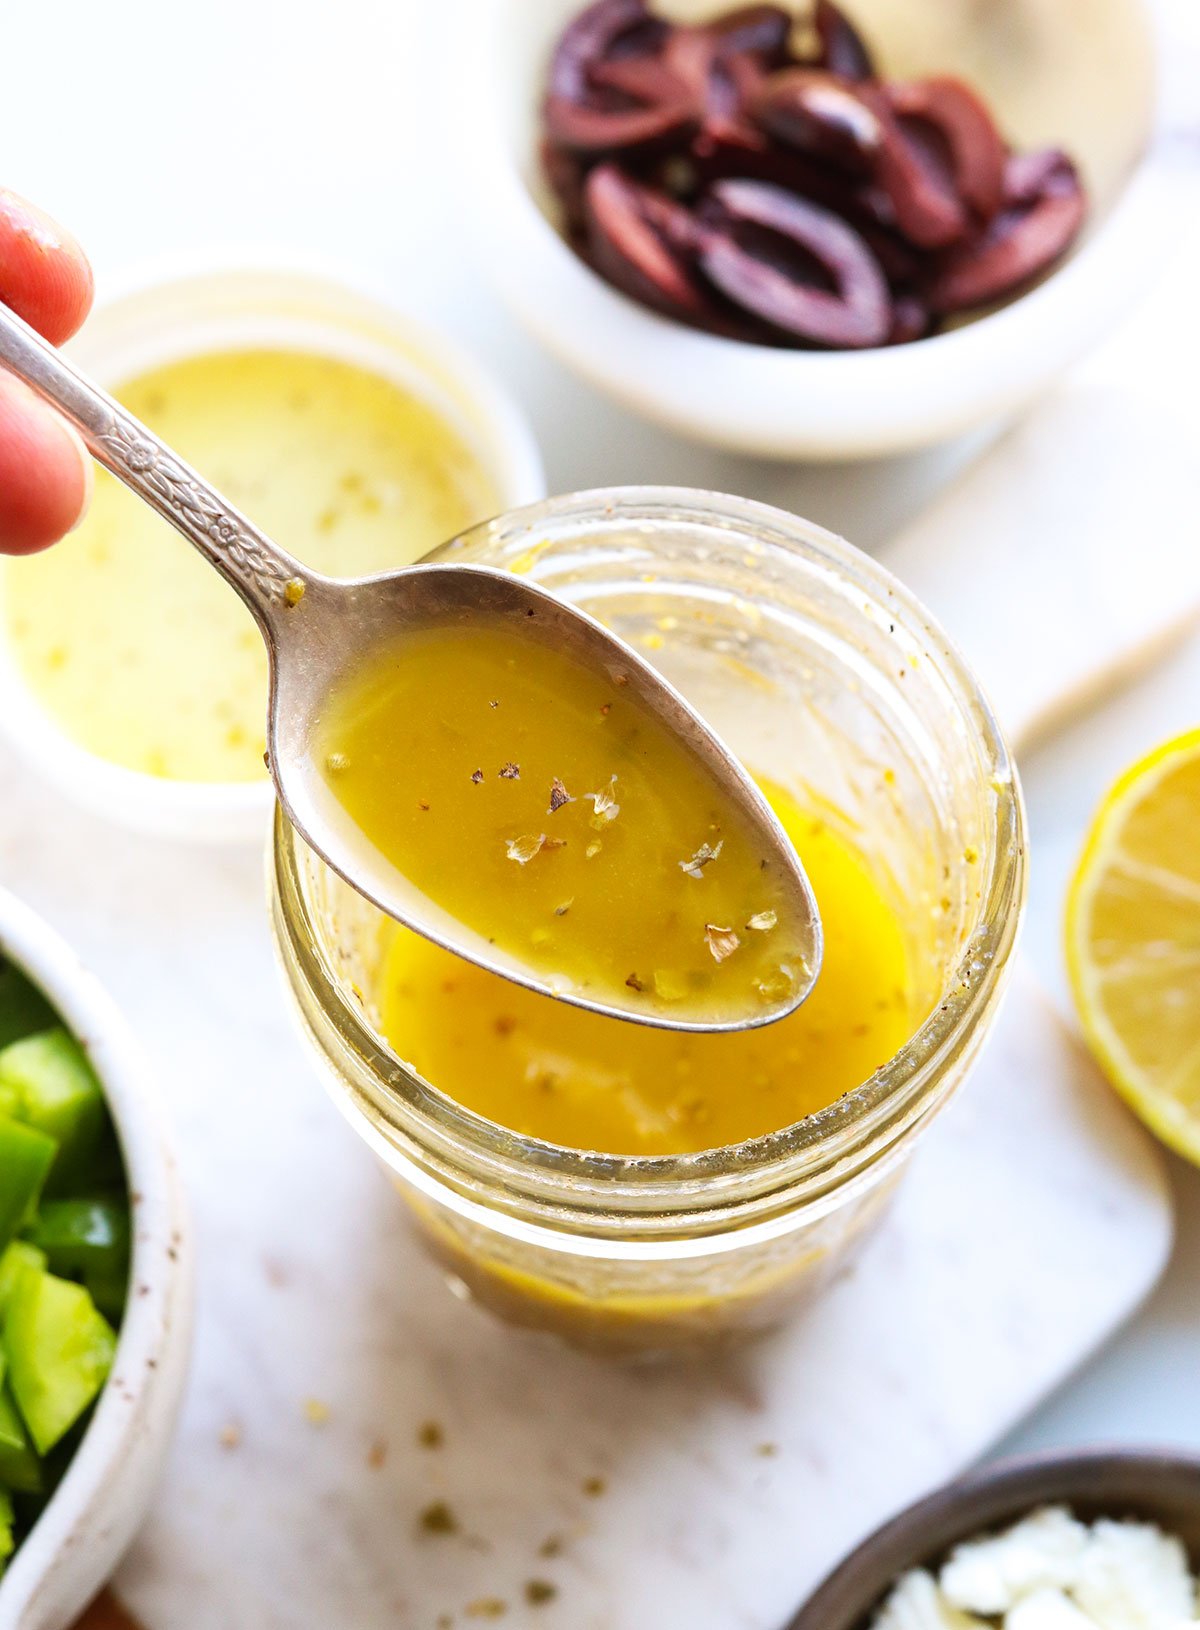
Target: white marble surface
258,123
1035,1219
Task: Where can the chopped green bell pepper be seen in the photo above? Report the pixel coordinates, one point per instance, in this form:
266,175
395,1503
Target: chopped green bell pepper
26,1156
82,1236
56,1090
60,1350
88,1240
20,1468
13,1262
23,1008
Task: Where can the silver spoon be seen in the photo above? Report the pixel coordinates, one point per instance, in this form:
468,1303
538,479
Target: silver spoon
317,628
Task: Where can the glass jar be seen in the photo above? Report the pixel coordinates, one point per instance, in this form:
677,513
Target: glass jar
826,676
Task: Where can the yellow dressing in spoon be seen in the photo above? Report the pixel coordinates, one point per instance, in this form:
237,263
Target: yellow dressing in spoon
535,800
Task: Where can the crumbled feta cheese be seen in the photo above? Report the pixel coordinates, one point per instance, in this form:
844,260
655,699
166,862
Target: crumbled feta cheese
1052,1572
1046,1609
1134,1577
916,1603
991,1575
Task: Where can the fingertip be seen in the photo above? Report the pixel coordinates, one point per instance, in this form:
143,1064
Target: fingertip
45,473
44,275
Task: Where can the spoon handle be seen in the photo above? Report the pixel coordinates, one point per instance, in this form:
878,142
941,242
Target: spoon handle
258,569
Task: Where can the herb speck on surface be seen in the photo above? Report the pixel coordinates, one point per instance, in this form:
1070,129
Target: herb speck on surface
558,796
706,853
510,772
605,807
522,850
476,776
593,1487
722,942
539,1591
438,1519
430,1435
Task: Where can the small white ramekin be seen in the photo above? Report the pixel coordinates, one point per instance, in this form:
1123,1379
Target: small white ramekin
778,403
255,305
96,1509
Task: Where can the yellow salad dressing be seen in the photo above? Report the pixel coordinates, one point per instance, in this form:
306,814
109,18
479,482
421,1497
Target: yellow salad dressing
135,645
551,1071
537,800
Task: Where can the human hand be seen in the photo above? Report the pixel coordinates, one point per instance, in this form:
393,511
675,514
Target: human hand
45,471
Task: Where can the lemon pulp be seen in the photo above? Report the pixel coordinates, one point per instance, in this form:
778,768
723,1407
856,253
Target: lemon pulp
1133,939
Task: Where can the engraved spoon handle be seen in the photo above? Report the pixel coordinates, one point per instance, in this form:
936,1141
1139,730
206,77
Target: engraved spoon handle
257,568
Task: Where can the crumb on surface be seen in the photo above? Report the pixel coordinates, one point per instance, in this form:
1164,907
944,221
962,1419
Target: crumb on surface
438,1518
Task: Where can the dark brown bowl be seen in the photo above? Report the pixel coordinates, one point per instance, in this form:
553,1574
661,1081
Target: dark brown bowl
1155,1485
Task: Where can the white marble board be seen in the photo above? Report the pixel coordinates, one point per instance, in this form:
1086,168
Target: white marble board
1033,1222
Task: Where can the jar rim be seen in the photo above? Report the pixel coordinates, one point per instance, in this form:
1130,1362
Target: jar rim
823,1149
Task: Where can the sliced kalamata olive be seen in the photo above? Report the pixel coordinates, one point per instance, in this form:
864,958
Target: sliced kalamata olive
911,319
924,199
595,131
587,40
647,79
976,150
1029,176
692,54
1021,243
843,50
819,113
757,31
854,311
644,242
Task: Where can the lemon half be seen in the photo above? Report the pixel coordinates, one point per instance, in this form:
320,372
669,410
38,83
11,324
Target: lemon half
1133,940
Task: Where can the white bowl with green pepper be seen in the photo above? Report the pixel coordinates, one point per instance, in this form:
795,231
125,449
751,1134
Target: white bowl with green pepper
95,1280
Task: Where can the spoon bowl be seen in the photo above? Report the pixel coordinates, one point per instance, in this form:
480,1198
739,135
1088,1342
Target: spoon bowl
320,630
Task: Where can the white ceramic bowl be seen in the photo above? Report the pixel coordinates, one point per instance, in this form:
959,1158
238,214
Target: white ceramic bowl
103,1497
1076,72
164,320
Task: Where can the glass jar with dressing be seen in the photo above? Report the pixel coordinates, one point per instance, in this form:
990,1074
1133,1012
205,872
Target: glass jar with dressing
635,1189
